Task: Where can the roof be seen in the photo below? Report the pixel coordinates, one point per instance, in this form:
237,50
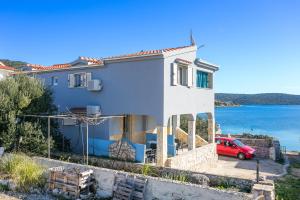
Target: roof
225,138
92,60
179,60
101,61
52,67
207,65
146,53
7,68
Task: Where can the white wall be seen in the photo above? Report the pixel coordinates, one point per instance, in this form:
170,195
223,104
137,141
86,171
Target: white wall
156,187
182,99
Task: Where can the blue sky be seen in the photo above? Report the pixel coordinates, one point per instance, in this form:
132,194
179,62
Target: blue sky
256,43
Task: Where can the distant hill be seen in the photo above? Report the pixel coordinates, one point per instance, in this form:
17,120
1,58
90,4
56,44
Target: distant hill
12,63
264,98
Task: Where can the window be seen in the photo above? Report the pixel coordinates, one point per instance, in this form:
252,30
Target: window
79,80
204,79
54,80
182,75
238,143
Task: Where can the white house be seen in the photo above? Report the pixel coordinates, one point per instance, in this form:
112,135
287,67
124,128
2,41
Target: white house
150,89
5,70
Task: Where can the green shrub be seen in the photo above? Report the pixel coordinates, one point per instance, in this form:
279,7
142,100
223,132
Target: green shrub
287,188
24,171
148,170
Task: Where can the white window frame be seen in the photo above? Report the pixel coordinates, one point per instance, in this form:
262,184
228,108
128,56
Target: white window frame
54,80
82,76
182,75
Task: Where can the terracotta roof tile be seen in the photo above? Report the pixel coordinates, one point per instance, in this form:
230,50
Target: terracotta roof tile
92,60
146,53
101,61
7,68
52,67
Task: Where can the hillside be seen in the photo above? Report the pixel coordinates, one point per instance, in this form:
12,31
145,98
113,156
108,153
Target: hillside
12,63
264,98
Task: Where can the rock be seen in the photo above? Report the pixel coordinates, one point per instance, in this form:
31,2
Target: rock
102,194
11,185
55,191
199,179
4,182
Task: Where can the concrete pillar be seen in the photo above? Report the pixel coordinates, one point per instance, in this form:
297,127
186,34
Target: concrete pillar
191,134
211,128
178,121
162,146
174,124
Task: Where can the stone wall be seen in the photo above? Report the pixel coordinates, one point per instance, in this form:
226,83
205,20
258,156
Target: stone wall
210,179
157,188
122,150
200,158
264,147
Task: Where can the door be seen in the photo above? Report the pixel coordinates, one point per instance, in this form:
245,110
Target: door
220,146
231,148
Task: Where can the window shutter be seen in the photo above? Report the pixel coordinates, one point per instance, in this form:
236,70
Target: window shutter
190,77
71,80
174,73
88,77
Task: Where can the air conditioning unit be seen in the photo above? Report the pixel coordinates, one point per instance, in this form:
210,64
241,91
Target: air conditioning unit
69,122
93,110
94,85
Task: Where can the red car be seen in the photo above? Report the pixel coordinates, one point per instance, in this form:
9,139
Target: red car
234,147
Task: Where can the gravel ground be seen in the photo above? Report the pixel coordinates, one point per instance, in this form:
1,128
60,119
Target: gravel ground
21,196
229,166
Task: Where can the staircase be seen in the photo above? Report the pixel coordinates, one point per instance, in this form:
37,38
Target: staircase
183,137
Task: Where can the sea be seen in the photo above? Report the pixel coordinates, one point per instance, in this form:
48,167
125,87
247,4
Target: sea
279,121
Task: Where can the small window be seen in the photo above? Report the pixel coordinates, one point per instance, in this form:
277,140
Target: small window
54,81
79,80
204,79
218,141
182,75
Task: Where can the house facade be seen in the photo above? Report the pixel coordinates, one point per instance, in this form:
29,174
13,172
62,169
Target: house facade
5,70
145,93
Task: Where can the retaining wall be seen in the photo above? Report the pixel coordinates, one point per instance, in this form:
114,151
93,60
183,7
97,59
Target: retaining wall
200,158
157,188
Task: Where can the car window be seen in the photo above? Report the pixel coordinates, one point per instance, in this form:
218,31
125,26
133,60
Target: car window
218,141
238,143
228,143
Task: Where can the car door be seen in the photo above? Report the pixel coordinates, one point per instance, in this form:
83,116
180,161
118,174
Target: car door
219,145
231,149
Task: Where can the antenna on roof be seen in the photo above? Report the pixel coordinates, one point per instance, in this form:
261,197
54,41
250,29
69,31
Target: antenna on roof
192,38
201,46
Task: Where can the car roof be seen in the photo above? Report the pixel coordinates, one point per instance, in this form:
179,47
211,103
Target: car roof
225,138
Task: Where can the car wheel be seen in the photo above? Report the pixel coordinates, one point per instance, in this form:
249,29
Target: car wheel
241,156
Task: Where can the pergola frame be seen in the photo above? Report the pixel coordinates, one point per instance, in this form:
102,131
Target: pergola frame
87,119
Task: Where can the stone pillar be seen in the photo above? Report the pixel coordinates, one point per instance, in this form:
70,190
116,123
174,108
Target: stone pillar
191,134
174,124
162,146
211,128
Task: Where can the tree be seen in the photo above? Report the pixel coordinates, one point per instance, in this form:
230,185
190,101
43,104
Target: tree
21,95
